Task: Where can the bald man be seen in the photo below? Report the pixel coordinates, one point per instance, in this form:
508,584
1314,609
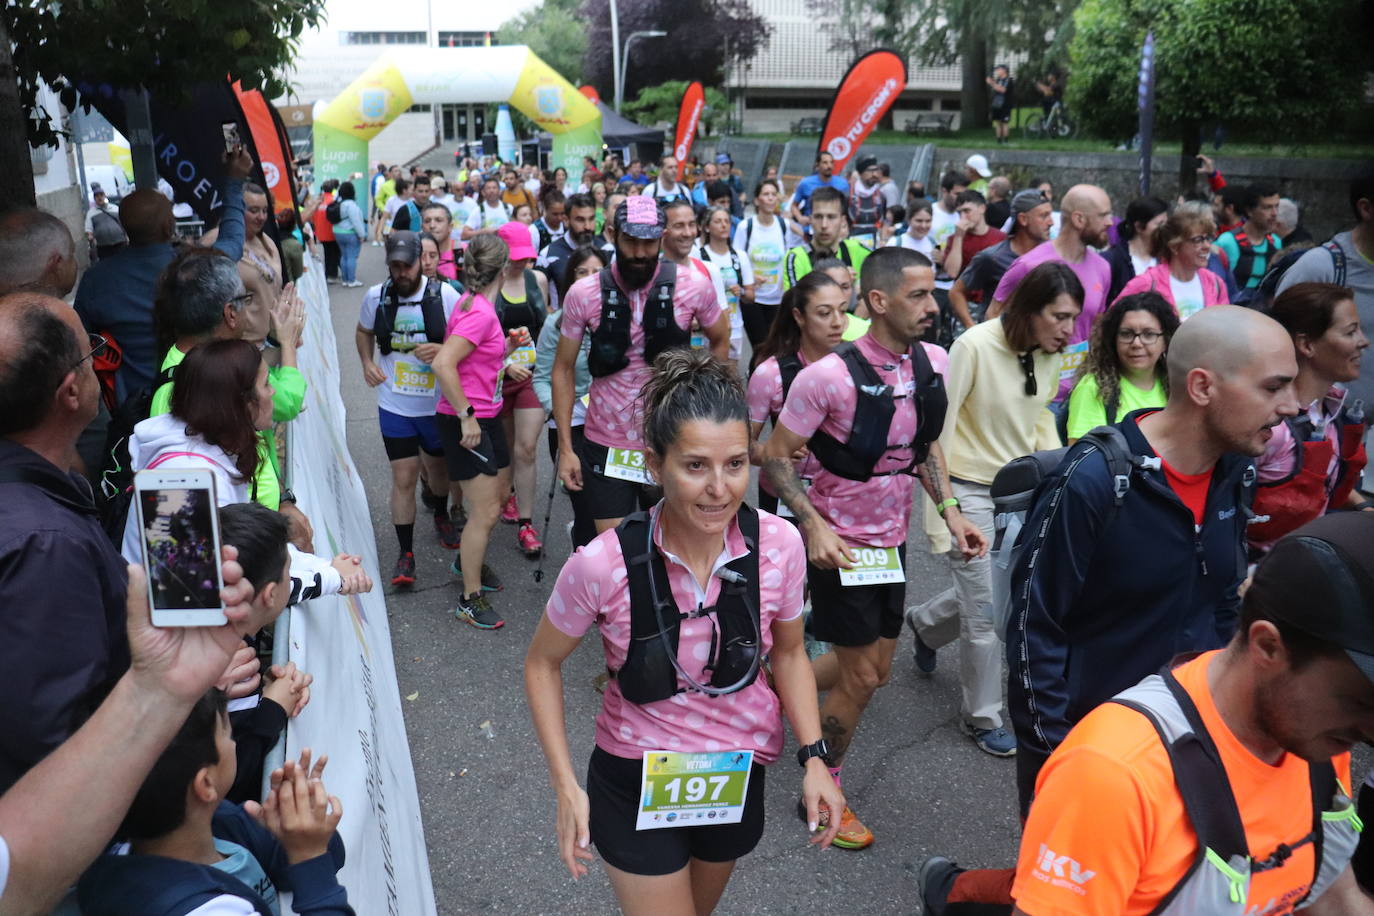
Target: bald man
1105,594
62,583
1086,216
116,295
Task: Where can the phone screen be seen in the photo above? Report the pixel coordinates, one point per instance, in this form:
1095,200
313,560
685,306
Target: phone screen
181,553
231,135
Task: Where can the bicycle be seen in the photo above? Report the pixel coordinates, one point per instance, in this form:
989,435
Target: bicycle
1056,124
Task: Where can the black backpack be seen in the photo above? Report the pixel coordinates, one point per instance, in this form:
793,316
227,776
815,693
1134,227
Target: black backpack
1262,296
334,211
115,491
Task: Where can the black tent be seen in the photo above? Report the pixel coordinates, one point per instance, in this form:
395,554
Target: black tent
620,133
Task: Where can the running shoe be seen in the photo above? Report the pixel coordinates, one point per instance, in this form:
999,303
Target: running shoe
995,741
405,570
491,582
529,541
922,654
852,833
448,533
935,880
511,513
477,611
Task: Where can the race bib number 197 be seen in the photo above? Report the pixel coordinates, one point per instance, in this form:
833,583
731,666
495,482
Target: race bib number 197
693,790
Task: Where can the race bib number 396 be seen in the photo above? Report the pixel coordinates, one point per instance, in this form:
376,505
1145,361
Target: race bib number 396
412,378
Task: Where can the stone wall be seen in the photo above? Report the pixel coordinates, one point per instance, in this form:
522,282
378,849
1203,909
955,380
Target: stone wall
1320,186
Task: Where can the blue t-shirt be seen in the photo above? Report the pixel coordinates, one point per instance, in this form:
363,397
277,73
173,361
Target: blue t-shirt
239,863
808,185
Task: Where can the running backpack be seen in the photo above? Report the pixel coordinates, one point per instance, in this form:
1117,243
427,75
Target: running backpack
334,211
1013,494
1262,296
107,229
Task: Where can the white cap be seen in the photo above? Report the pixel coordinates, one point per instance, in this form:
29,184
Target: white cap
979,163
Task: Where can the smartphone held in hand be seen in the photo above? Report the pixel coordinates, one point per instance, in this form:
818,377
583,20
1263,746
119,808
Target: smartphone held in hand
231,135
179,535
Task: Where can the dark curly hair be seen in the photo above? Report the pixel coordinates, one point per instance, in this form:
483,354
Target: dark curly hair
1103,362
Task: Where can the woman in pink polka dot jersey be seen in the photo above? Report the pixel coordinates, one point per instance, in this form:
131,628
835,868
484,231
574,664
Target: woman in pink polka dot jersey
696,429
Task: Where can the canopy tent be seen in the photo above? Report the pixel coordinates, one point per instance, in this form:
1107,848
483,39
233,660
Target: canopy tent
619,132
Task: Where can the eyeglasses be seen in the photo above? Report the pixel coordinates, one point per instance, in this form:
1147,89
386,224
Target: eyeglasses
1202,240
1027,361
1148,338
98,346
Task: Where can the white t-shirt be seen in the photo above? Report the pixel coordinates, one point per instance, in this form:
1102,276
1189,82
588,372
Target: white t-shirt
723,300
726,267
410,389
658,191
486,216
533,186
462,210
1140,265
766,246
1187,295
924,245
942,225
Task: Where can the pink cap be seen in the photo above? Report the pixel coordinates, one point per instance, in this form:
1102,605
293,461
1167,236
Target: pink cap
641,210
517,239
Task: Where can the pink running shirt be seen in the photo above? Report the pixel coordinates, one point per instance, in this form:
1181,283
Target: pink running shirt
591,591
480,373
765,403
875,512
615,416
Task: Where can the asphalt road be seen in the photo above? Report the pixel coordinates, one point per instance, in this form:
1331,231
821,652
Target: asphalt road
919,784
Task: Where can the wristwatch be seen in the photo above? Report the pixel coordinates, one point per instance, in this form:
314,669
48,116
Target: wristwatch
470,412
287,496
806,752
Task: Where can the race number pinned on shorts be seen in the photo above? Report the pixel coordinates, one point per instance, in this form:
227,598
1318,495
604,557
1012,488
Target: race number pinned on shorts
873,566
1072,357
522,356
412,378
626,464
693,790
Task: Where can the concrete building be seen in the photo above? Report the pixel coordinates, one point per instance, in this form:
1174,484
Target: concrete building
357,32
794,76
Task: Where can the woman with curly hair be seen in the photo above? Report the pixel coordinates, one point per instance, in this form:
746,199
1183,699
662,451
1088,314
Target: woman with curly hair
1125,368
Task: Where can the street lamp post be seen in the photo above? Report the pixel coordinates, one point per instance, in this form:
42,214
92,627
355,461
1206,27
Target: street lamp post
625,60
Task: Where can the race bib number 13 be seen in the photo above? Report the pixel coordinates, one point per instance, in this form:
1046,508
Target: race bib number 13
626,464
873,566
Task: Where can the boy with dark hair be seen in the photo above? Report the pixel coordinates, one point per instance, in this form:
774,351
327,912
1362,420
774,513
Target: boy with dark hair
192,853
259,719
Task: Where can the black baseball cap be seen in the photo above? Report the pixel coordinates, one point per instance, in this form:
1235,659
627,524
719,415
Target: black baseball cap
866,163
403,245
1025,202
1320,579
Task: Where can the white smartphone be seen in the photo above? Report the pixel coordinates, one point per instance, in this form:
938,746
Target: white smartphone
179,524
230,129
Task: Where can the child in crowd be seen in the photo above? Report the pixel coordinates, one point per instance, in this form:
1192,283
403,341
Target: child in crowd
192,853
258,720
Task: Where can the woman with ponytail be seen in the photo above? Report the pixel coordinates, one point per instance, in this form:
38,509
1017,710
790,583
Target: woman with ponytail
688,691
469,369
807,326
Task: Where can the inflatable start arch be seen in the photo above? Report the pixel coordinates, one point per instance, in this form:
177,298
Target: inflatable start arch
402,78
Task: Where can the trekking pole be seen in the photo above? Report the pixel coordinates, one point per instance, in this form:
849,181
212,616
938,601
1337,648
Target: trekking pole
548,513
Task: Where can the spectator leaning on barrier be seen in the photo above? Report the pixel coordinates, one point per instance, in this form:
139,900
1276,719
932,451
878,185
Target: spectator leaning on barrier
62,583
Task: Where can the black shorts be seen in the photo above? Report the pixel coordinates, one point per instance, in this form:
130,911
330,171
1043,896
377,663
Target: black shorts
610,496
463,464
855,615
613,787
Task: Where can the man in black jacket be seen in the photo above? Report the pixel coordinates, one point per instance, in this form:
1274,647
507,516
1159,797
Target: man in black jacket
1103,597
62,583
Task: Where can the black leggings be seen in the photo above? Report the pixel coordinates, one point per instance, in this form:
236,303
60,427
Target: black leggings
758,318
584,524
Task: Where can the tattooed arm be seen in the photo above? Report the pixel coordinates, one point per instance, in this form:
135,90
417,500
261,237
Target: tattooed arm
824,548
935,478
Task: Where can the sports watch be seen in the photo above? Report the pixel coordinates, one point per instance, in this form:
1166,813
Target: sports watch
470,412
806,752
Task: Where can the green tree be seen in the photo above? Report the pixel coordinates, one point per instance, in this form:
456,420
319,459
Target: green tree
554,32
164,46
1262,65
657,104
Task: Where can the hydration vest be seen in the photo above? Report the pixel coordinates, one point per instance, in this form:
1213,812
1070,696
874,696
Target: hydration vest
788,367
1306,493
865,213
611,338
704,255
431,307
648,674
1243,269
873,411
1218,881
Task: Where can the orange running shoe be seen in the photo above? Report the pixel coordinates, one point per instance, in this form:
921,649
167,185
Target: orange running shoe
852,834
